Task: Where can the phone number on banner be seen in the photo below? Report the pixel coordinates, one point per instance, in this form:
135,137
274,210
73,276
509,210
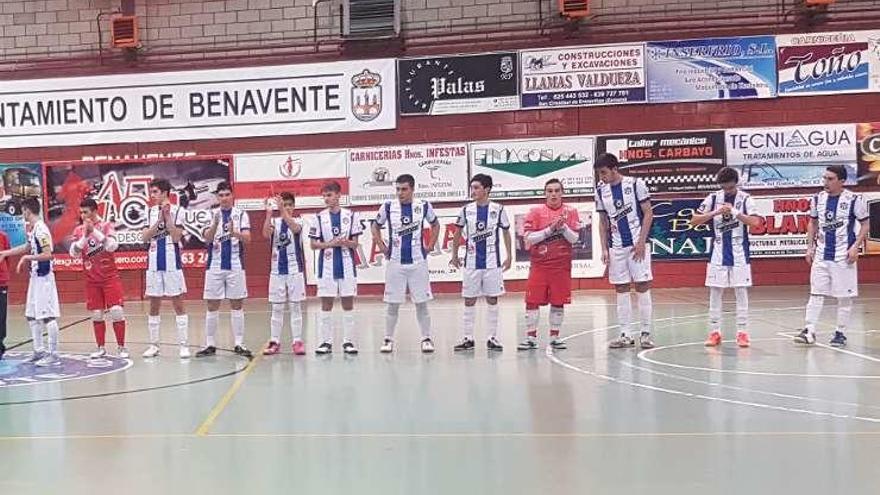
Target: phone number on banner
192,258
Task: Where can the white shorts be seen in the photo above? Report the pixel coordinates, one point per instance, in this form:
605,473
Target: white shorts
834,279
165,284
343,287
488,282
225,284
623,269
284,288
728,276
42,298
415,277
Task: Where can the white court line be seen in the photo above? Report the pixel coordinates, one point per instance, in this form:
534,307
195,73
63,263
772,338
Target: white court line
550,355
835,349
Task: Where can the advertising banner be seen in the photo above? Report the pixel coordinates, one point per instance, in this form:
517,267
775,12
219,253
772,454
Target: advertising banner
440,172
458,84
794,156
685,161
711,69
261,175
205,104
673,236
121,190
519,169
20,181
828,63
583,76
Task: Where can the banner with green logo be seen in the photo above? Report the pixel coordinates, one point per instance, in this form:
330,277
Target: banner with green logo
519,169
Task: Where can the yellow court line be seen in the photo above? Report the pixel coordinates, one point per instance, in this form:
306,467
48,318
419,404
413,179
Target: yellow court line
226,399
451,435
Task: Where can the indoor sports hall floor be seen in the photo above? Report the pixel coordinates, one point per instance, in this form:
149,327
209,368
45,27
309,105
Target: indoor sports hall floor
679,419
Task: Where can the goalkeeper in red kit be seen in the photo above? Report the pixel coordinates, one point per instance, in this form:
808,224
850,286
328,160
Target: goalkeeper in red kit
549,231
95,242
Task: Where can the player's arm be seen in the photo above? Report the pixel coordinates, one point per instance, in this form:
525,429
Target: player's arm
861,212
812,229
148,233
508,239
435,226
174,229
16,251
703,214
647,221
746,217
268,227
572,235
77,246
376,229
242,231
316,240
604,226
354,237
457,236
211,230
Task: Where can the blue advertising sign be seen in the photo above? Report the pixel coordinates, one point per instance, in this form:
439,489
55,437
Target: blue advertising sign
673,237
711,69
18,182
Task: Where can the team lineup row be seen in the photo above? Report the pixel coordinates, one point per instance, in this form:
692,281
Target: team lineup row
838,226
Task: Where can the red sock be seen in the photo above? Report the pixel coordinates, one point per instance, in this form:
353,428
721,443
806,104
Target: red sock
554,333
119,330
100,328
532,333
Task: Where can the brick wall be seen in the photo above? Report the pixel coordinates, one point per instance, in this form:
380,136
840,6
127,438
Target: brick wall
39,28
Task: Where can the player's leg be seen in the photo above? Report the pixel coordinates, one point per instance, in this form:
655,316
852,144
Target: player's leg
36,327
181,321
155,291
641,274
48,309
560,296
4,299
471,288
394,296
235,289
493,288
624,317
51,356
212,321
114,299
845,287
537,294
741,280
296,291
820,286
716,281
277,300
95,305
325,326
419,284
348,340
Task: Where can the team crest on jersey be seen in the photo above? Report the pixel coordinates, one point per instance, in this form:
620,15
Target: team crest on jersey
628,190
829,215
417,210
844,206
335,231
481,225
618,203
405,220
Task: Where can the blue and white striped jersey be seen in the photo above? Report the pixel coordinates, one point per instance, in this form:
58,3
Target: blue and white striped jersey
226,252
287,248
405,223
622,203
164,254
337,262
482,225
838,218
40,241
731,244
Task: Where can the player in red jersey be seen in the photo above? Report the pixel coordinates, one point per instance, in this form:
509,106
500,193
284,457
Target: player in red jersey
549,230
95,242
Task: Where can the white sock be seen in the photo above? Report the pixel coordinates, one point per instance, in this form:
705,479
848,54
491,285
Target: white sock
276,321
469,318
325,327
492,320
844,310
392,313
716,294
37,335
532,317
296,321
624,312
52,329
814,309
557,315
153,323
742,308
236,317
212,319
424,319
348,326
646,310
182,329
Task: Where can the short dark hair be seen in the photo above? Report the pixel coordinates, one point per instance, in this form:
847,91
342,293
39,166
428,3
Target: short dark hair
554,181
331,186
32,205
726,175
89,203
288,196
161,184
606,160
838,170
483,179
406,179
223,186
